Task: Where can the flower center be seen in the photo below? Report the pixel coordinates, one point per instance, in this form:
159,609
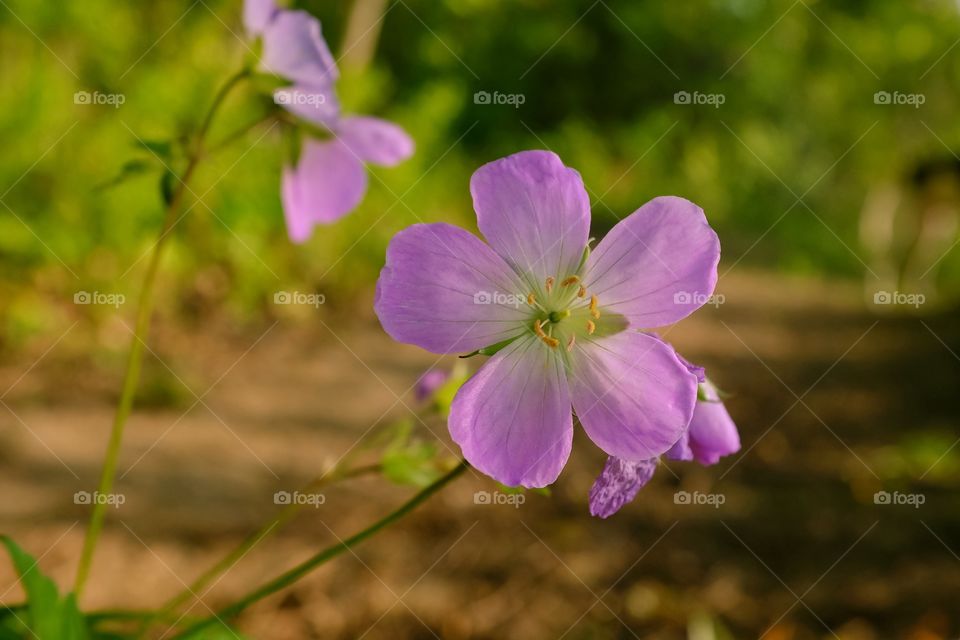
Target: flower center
564,312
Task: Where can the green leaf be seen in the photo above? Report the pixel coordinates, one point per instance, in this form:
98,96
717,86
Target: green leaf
162,148
219,632
130,169
541,491
267,83
489,350
47,616
167,186
584,257
443,397
410,462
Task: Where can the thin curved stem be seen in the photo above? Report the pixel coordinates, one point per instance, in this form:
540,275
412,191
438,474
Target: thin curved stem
283,517
141,329
289,577
240,132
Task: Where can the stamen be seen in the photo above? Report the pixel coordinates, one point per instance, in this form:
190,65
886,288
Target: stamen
537,329
531,299
547,340
569,281
593,308
591,327
582,291
549,284
573,338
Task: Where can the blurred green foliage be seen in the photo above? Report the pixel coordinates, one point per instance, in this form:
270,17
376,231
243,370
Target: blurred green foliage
598,80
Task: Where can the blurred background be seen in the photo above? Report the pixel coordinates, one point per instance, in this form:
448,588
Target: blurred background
821,139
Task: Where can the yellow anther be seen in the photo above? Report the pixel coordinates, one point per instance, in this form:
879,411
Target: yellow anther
593,308
551,342
531,299
573,339
591,327
582,291
549,284
537,329
569,281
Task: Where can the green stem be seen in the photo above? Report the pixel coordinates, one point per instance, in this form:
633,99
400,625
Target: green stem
283,517
141,329
240,132
289,577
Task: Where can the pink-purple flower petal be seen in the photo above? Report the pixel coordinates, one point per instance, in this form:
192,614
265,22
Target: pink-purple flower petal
534,212
257,14
712,433
512,419
374,140
445,291
429,383
294,48
316,105
327,183
618,484
656,266
632,395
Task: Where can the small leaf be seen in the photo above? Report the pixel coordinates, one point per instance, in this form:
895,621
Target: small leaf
219,632
267,83
489,350
409,462
47,617
413,465
130,169
162,148
167,186
443,397
584,257
502,488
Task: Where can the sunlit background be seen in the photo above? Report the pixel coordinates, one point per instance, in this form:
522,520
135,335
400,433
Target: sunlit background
821,139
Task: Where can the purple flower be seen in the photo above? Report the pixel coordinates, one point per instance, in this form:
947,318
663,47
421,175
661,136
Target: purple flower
429,382
710,436
618,484
712,433
329,179
562,320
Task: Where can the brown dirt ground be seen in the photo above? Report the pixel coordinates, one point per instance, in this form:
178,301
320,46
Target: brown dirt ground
798,550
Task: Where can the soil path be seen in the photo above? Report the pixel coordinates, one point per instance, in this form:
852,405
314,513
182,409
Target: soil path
834,402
